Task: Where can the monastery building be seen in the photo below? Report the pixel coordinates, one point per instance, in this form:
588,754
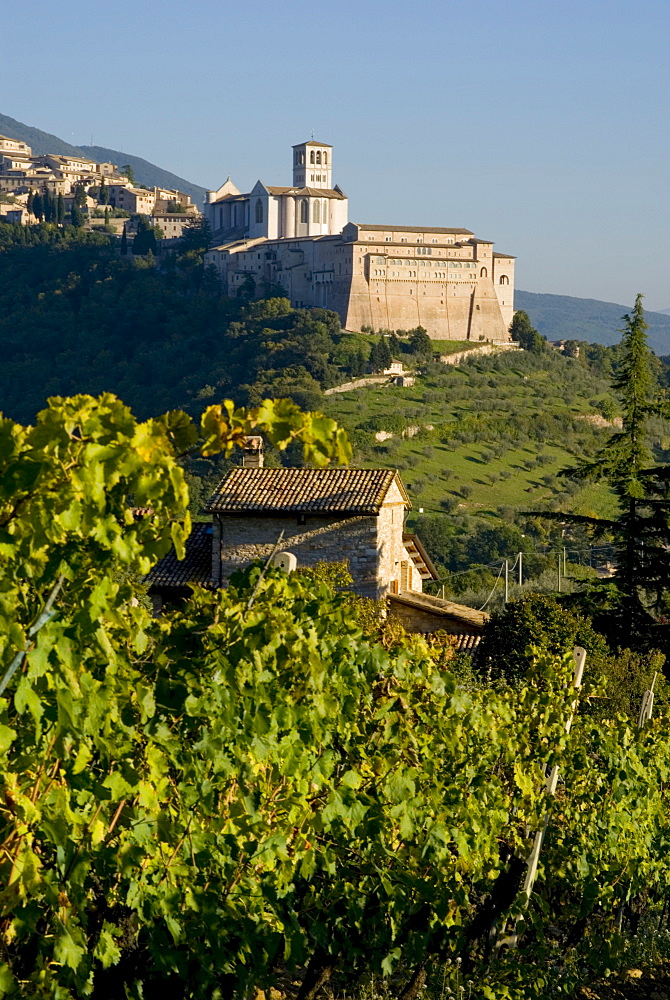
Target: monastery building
299,239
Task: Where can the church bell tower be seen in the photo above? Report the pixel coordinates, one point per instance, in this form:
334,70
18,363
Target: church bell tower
312,165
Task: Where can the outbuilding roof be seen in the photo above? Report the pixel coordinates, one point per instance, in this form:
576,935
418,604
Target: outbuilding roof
195,567
440,608
304,491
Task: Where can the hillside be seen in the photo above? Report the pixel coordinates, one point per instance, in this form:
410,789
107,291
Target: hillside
41,142
145,172
563,317
487,434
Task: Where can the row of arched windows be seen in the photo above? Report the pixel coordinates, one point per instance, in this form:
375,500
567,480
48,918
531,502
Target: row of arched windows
318,157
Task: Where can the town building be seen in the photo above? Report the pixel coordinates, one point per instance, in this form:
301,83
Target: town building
298,239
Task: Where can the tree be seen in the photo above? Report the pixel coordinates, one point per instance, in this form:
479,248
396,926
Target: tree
80,195
127,171
38,206
641,530
124,241
103,195
196,237
60,209
420,343
522,331
534,622
380,355
145,237
76,216
357,364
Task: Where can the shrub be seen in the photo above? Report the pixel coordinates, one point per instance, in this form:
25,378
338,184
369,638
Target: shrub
536,621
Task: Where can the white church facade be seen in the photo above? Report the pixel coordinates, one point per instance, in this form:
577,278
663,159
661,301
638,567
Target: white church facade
381,276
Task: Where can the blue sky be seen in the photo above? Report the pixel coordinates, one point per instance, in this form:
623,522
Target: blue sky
541,125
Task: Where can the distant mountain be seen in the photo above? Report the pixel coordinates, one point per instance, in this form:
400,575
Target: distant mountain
562,317
41,142
145,173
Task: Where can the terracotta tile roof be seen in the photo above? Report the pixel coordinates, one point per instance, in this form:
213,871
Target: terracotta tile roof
413,229
466,643
196,567
354,491
440,608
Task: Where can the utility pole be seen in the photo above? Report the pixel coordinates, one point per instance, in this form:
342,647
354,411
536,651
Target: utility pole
558,567
520,568
565,562
506,580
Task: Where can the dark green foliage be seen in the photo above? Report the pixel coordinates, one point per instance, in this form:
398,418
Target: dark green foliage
145,237
535,622
420,343
640,530
76,316
380,355
124,241
129,173
60,210
76,216
523,331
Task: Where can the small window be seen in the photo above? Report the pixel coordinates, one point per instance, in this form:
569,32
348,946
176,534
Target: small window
483,273
304,210
318,157
504,280
316,211
311,157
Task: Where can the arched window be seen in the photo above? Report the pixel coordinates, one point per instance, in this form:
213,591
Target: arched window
304,210
504,280
316,211
325,211
483,273
259,211
325,158
311,157
318,156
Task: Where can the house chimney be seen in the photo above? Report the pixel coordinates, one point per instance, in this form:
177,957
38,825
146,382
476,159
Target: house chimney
252,453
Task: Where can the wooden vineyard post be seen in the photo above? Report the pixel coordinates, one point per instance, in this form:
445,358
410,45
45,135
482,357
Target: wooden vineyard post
551,782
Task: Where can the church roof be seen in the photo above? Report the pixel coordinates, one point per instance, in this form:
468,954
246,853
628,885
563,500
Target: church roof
291,491
312,142
414,229
507,256
308,192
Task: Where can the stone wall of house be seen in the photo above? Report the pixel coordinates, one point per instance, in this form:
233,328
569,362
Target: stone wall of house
320,539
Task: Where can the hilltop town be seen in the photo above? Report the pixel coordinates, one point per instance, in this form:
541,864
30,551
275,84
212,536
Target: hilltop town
48,186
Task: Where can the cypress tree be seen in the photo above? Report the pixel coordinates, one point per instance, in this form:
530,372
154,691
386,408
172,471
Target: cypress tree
38,210
641,530
124,241
77,216
60,209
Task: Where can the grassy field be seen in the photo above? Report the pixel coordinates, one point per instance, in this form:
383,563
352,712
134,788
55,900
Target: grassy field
488,434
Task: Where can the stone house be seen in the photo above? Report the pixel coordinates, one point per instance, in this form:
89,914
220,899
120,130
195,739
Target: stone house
318,515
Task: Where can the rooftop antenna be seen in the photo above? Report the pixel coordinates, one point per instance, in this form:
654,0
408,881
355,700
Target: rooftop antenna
312,134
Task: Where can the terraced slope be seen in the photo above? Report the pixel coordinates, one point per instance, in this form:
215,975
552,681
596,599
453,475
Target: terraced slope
487,434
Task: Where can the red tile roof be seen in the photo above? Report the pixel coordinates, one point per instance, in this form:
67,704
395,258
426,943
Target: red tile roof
289,491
